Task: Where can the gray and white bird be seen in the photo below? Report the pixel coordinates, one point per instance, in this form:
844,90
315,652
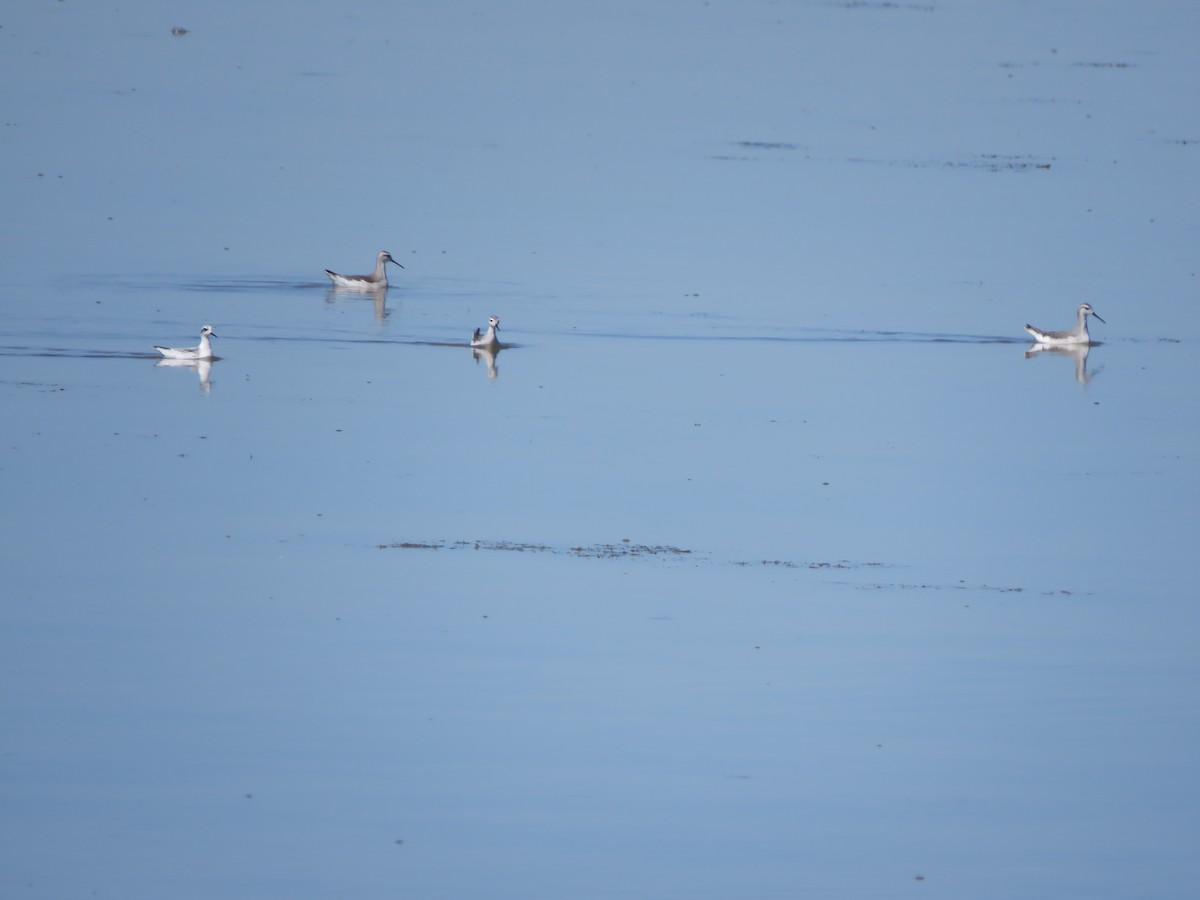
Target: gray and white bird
374,281
1078,335
489,337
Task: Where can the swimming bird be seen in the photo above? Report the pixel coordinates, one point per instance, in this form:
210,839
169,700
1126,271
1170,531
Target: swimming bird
204,351
489,338
377,279
1079,335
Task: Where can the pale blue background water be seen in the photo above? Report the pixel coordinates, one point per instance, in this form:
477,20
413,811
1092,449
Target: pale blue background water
764,267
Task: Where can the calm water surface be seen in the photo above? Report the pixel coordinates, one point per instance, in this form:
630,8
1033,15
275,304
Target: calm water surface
764,561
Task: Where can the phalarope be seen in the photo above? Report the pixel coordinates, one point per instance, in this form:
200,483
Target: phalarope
488,338
204,351
1079,335
377,279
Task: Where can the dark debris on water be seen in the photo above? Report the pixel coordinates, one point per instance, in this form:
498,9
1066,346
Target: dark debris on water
624,549
627,549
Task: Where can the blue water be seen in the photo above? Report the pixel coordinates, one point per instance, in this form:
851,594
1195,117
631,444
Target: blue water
762,562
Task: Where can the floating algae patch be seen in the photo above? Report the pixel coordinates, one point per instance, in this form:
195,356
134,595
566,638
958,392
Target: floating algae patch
751,150
793,564
622,550
627,549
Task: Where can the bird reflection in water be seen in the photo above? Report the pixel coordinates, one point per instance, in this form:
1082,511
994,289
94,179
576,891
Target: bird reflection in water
203,369
487,355
1077,352
378,299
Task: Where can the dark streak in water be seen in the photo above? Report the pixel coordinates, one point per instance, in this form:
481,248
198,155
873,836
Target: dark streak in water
626,549
72,353
984,162
769,145
591,551
38,385
832,337
884,5
232,285
305,339
960,586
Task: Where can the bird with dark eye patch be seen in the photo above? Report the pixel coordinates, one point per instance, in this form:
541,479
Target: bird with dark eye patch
204,351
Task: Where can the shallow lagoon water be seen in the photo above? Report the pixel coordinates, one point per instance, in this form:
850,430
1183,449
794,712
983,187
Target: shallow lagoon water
763,563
